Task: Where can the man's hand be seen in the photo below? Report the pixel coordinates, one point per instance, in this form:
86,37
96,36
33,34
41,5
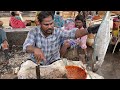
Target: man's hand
5,45
93,29
38,54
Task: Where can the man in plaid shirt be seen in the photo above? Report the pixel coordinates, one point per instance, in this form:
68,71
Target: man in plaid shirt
44,41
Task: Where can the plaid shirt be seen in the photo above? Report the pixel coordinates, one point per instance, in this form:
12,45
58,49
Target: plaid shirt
49,45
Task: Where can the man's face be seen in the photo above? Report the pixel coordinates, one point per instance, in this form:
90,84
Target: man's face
47,25
78,23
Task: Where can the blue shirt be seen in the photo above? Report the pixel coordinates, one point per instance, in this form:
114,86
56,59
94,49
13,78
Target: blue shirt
49,45
2,36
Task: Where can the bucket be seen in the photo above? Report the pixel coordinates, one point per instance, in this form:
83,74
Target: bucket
75,72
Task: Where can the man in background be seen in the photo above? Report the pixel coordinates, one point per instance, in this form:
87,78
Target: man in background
4,46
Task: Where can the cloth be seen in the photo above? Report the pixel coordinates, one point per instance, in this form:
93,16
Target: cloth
115,33
82,40
73,42
18,17
69,24
49,45
59,22
54,71
15,23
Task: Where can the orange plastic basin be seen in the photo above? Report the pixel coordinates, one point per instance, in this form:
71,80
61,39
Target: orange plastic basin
75,72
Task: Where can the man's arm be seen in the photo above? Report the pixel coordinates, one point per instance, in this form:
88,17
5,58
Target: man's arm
80,33
29,41
92,29
30,49
38,54
77,33
5,45
29,46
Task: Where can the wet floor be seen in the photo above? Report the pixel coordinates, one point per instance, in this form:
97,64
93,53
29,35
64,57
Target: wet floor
110,68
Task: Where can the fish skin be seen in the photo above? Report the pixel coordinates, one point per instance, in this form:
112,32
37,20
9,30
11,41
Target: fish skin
102,40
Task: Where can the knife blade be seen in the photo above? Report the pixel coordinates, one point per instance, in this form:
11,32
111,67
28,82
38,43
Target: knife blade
38,71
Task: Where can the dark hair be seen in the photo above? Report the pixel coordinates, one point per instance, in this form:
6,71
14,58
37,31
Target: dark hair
44,14
81,18
13,13
53,12
57,13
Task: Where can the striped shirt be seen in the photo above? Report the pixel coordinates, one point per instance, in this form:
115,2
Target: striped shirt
49,45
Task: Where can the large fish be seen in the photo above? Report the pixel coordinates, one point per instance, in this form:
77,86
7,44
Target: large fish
102,40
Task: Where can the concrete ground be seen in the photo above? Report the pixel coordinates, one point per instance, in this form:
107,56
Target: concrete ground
111,66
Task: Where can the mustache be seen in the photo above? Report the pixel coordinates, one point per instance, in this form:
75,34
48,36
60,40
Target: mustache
49,29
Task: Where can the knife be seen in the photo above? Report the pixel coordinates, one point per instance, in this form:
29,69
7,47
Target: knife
38,71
